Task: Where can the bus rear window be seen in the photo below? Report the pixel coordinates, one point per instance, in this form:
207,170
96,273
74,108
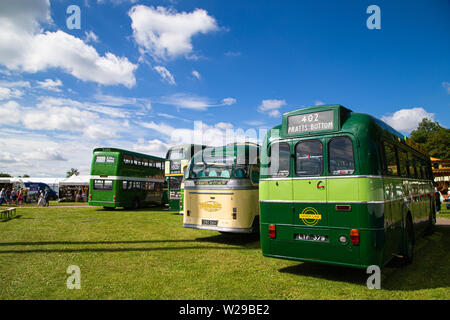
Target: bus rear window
103,185
280,157
341,156
308,158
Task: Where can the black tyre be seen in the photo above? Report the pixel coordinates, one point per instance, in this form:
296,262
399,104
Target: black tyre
136,204
408,253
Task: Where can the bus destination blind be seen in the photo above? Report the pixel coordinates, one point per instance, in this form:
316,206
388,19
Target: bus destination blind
311,122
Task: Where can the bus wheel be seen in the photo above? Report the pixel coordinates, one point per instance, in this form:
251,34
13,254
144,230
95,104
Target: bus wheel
409,242
136,204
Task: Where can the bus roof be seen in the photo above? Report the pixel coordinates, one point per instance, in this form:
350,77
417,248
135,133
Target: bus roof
332,118
137,154
228,149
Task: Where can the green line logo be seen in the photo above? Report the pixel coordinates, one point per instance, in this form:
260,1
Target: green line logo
310,216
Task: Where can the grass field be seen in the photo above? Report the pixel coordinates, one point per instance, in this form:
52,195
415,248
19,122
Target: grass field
147,254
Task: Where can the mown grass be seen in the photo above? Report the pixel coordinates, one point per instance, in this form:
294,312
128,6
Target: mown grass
445,213
147,254
34,204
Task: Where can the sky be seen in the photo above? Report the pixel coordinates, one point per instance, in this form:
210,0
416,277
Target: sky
147,75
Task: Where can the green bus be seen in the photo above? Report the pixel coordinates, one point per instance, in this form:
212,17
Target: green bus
342,188
177,159
221,189
121,178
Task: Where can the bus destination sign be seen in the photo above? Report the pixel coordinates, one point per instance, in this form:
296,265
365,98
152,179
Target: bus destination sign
311,122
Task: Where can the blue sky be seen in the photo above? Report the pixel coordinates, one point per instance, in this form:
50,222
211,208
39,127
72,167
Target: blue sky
137,74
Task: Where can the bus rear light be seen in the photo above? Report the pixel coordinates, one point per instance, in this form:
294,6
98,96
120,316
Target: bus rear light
181,205
354,237
272,231
114,198
234,215
90,197
344,208
188,213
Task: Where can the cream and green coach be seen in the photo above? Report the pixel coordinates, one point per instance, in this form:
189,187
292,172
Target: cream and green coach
221,189
177,160
342,188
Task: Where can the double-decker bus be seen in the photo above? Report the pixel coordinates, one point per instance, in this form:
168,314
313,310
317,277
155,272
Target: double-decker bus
177,159
121,178
342,188
221,189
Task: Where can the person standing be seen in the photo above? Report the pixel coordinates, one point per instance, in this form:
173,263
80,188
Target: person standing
25,195
41,198
13,196
46,197
2,196
20,197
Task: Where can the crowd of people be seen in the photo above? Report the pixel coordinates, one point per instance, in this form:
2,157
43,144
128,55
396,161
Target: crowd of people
13,195
19,196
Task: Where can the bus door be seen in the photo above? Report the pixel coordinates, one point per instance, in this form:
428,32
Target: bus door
309,189
278,189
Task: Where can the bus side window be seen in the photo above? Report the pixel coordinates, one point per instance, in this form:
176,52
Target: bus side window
402,158
309,158
279,163
127,159
341,157
391,159
412,168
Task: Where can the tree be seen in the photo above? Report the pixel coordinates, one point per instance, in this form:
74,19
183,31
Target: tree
26,176
72,172
433,137
5,175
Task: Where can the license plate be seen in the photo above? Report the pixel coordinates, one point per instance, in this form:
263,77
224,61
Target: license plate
311,237
209,222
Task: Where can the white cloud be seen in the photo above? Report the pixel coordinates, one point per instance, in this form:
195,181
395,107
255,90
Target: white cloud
49,84
90,36
218,134
446,86
196,74
165,74
6,157
407,119
153,147
188,101
271,107
9,113
164,33
47,154
7,93
26,48
319,103
228,101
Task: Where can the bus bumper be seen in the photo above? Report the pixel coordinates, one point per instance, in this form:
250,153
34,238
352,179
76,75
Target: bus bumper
216,228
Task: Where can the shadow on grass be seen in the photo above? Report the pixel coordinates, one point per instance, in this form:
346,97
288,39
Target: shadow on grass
248,240
328,272
12,218
429,269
